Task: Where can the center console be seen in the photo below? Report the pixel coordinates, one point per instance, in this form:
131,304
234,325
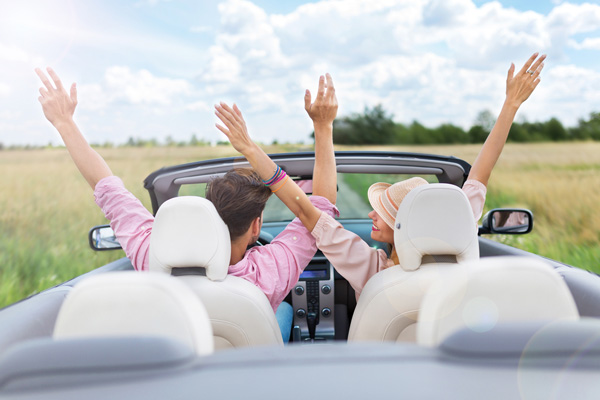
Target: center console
313,303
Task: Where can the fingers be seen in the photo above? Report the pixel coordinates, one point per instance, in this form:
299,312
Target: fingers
538,63
330,87
225,116
511,71
237,110
321,91
307,100
74,93
528,63
44,79
225,107
229,116
55,78
537,72
223,129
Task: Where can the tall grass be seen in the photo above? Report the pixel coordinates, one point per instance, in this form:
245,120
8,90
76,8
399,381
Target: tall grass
47,208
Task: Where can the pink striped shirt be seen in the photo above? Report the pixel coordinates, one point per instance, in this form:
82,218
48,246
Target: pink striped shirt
274,268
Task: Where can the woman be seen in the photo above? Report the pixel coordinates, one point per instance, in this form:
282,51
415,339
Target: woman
274,268
349,254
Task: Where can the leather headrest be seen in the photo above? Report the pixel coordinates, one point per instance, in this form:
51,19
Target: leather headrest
494,290
188,232
131,303
435,219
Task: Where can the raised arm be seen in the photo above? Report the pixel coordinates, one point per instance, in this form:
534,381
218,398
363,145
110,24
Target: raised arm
58,107
286,189
518,89
323,112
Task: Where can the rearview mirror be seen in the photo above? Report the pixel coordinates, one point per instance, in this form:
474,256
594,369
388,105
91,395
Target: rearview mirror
102,237
511,221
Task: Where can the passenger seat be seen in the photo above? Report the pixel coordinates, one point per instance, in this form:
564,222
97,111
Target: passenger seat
434,234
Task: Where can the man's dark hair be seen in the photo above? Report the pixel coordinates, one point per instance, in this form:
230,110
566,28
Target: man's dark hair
240,197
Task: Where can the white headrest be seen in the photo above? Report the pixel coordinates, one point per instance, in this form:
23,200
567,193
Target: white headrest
494,290
435,219
188,232
132,303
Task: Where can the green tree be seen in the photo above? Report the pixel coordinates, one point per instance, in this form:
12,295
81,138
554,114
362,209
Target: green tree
403,135
518,133
554,130
588,129
421,134
486,120
477,134
451,134
373,126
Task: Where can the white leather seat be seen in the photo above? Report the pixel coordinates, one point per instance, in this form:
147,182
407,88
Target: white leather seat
189,233
135,304
495,290
434,234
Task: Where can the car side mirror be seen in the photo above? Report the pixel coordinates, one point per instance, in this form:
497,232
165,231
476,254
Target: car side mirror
511,221
102,237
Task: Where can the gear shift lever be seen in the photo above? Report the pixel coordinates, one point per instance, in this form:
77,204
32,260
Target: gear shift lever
311,321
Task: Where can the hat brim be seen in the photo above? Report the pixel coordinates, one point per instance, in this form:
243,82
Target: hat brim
374,194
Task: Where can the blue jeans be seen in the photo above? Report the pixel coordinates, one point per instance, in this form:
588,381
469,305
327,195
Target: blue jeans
285,316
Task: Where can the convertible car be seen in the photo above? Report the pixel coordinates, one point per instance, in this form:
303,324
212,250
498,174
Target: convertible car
461,316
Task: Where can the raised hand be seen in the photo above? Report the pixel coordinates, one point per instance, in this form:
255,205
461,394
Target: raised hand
324,108
57,104
235,127
520,86
518,89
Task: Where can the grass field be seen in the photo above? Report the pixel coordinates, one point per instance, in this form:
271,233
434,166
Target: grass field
46,207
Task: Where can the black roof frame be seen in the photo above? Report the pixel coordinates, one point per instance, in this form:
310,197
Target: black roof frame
164,183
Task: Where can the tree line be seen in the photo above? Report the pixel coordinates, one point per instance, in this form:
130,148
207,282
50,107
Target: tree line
376,126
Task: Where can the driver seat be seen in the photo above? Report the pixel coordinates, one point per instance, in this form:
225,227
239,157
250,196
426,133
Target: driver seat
190,240
434,234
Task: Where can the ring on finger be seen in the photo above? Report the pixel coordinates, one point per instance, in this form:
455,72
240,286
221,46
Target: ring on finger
530,72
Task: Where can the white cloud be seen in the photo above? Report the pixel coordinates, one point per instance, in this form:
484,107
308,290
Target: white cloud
247,34
199,106
586,44
143,87
92,97
223,66
13,53
431,60
4,89
447,12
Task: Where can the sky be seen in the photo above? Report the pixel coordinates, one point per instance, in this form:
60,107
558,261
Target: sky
155,68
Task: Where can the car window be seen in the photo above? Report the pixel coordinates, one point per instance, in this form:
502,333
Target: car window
352,198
